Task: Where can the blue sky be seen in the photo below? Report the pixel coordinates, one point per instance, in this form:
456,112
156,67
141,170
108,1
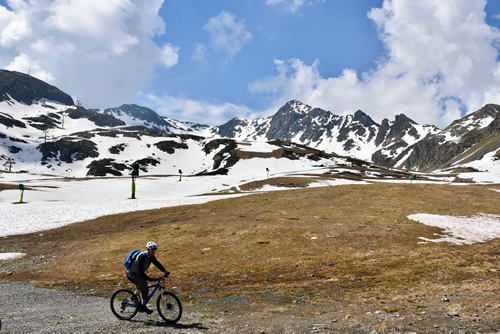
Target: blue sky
210,61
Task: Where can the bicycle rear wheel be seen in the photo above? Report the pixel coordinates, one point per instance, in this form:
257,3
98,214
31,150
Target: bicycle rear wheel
169,307
122,305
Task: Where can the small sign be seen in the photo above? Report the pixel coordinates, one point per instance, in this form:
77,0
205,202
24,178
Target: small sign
21,186
135,169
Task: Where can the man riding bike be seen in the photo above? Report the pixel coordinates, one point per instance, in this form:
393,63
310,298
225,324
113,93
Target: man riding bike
136,273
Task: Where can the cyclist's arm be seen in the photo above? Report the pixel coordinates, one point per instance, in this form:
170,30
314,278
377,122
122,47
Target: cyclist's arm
158,264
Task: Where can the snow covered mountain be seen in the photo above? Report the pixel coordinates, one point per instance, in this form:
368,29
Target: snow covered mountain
133,114
42,130
352,135
471,141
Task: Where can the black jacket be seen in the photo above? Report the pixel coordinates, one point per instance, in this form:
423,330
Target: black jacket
141,264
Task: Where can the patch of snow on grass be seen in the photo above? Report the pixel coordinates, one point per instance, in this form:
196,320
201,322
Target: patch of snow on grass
462,230
10,256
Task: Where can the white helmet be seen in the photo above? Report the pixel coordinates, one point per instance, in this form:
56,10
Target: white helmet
151,246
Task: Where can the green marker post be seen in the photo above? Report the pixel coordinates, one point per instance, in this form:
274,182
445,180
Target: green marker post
21,187
133,188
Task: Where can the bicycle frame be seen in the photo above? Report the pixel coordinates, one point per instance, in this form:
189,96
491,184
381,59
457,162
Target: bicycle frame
155,288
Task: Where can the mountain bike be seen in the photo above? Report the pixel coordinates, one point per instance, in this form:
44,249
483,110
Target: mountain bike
168,305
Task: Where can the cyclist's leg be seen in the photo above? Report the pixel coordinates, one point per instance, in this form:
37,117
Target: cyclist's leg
142,286
139,284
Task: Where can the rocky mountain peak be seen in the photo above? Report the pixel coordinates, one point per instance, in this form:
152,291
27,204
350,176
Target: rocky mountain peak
133,114
294,107
403,119
476,120
27,89
230,128
363,119
490,110
401,126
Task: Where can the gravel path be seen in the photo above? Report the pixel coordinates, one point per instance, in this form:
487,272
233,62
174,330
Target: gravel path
26,309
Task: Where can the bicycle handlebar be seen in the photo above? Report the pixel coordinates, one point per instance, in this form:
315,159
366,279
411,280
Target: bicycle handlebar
165,275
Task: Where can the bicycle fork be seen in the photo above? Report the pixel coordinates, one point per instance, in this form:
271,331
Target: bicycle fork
165,300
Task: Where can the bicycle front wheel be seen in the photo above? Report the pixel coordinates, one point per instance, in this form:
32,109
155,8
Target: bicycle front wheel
169,307
122,305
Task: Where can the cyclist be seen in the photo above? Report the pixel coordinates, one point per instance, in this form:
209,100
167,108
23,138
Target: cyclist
136,273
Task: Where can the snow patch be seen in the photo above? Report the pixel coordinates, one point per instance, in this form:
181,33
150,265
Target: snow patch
462,230
10,256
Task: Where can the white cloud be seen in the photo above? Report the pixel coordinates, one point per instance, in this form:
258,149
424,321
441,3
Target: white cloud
122,45
23,62
202,112
292,6
170,54
440,60
227,35
199,54
101,52
13,27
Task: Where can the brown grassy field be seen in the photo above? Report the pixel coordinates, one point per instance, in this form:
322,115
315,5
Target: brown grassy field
346,254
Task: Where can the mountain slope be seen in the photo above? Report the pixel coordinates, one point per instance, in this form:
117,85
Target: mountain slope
45,132
464,141
133,114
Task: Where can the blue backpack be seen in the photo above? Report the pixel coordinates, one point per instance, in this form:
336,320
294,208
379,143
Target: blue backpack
131,257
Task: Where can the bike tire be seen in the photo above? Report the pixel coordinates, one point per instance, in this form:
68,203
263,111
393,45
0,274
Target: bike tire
169,307
122,306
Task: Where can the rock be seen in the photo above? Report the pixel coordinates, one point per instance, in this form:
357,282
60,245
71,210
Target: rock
453,314
445,299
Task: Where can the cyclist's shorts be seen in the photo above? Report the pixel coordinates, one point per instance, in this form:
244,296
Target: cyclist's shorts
139,281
